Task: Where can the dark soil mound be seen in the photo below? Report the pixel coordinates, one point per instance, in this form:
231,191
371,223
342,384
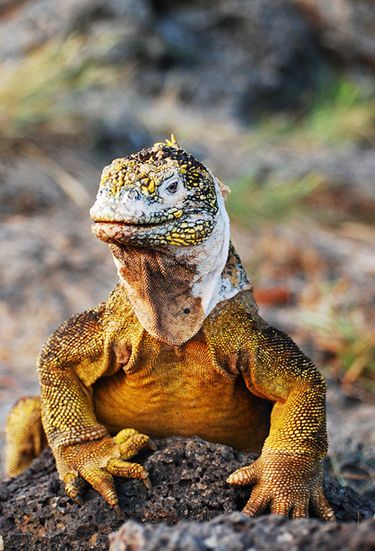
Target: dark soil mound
188,477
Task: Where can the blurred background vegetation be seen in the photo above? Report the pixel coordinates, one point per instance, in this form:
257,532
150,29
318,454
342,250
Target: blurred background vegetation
275,96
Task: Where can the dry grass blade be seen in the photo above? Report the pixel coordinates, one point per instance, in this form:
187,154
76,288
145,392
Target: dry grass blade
346,334
69,185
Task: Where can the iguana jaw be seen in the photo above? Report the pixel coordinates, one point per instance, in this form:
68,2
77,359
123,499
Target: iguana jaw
173,228
124,233
100,214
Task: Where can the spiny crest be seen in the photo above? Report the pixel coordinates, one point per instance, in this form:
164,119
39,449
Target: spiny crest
172,142
164,152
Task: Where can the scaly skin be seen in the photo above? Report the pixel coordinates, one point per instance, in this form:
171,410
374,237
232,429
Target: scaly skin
236,380
24,436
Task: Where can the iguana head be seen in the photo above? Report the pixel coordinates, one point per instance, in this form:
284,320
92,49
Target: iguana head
160,196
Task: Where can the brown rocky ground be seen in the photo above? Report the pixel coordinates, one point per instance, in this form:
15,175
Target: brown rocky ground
188,478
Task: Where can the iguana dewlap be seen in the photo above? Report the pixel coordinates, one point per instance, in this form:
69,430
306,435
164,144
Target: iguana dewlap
178,348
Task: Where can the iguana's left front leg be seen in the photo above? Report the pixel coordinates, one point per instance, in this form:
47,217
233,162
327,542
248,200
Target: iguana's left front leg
287,477
82,446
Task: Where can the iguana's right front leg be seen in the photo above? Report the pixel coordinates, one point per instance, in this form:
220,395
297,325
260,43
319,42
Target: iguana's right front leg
82,447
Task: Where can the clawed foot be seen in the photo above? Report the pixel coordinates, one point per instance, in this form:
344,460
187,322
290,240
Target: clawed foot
96,462
286,484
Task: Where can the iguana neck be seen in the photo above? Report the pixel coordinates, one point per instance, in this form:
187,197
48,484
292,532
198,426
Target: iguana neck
173,290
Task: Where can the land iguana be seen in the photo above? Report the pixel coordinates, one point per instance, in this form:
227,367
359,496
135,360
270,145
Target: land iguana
178,348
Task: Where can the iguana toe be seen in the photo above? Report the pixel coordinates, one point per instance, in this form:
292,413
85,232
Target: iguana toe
132,442
74,484
98,461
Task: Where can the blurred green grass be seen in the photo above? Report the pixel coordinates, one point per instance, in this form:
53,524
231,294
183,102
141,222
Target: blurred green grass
252,204
36,93
340,112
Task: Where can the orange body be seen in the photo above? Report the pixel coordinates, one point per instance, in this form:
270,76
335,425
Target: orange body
182,391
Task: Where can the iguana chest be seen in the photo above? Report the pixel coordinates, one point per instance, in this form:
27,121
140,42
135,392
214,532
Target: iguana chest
164,391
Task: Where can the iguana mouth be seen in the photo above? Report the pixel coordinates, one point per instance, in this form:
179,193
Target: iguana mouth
176,227
112,231
138,224
155,219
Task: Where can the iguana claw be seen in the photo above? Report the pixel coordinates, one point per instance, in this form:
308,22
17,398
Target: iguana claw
99,460
286,484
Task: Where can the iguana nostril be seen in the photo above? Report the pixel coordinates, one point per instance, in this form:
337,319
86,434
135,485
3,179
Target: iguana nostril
132,194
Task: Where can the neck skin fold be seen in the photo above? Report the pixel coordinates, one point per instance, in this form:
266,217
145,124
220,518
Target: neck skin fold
172,290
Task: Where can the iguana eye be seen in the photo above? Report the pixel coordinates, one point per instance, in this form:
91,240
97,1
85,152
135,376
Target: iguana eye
172,187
